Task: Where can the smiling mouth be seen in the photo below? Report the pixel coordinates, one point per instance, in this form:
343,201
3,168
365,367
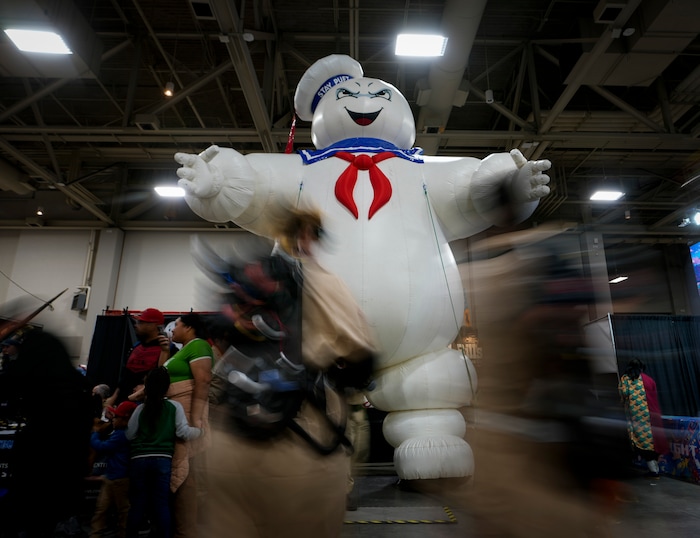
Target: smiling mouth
363,119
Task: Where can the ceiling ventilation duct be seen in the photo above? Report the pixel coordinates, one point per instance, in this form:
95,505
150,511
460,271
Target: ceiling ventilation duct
662,30
11,179
202,10
444,88
62,17
147,122
607,11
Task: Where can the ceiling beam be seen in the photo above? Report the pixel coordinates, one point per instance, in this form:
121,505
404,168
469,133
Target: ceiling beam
48,176
626,107
499,108
184,93
232,35
166,57
55,85
452,139
581,69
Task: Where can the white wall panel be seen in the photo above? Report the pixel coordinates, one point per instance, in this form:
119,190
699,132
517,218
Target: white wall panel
157,270
43,264
8,248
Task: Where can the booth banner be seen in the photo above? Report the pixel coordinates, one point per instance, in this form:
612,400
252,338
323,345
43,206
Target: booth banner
683,434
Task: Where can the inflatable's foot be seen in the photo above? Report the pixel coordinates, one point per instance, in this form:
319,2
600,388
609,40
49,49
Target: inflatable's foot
437,456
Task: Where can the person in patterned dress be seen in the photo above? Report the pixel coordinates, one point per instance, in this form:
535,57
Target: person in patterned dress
645,426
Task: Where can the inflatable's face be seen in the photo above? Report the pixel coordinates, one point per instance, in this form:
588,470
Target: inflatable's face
363,107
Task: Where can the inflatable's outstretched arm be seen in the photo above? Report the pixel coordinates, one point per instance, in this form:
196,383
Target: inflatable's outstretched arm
223,185
219,183
502,189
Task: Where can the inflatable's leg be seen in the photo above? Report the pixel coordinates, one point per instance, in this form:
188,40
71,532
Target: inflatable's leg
424,425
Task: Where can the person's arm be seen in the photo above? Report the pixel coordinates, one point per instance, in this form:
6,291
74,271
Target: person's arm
182,428
201,372
133,427
109,402
164,343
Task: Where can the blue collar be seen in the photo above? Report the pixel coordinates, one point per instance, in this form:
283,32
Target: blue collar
361,145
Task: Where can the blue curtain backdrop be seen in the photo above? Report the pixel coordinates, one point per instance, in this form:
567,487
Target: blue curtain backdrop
669,346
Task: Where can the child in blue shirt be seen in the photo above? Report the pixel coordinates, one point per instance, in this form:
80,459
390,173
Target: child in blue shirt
115,488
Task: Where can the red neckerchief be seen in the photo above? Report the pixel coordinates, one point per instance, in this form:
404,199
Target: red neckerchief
345,185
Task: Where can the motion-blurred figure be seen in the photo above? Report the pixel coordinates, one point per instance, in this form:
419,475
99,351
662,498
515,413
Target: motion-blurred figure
57,432
538,451
283,486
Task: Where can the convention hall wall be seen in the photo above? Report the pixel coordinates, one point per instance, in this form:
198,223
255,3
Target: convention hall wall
133,270
140,269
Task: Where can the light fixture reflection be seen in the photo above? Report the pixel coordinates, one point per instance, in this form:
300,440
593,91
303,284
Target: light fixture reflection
170,192
420,45
607,196
38,41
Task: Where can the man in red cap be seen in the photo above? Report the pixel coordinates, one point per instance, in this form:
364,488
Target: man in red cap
153,346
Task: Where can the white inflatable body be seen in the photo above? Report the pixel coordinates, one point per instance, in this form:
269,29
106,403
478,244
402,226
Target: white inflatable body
389,217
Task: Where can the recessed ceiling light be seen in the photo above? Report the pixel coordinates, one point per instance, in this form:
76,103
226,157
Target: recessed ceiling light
38,41
420,45
170,192
608,196
169,89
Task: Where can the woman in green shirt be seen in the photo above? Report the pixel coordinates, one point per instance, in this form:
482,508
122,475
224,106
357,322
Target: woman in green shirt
190,376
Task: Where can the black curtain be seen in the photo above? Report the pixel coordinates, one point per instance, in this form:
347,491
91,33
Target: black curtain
111,341
669,346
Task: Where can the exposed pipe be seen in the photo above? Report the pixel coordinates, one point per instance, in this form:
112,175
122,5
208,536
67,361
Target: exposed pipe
90,259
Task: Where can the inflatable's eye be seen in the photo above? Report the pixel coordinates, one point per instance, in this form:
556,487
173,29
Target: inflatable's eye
344,92
384,94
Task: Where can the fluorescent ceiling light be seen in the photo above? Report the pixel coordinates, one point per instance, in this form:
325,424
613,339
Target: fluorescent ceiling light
696,218
608,196
38,41
420,45
170,192
618,279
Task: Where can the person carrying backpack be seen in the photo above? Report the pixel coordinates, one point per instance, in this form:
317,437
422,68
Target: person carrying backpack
289,481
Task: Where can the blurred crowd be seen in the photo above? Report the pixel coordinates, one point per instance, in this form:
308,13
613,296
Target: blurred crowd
549,435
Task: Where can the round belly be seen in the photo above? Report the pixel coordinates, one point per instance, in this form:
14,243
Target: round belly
395,260
404,279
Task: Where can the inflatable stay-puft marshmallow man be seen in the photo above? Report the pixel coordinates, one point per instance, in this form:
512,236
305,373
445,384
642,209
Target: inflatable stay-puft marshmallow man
390,214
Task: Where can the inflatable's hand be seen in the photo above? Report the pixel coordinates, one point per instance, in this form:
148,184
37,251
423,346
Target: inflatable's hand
219,183
506,187
199,176
529,183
